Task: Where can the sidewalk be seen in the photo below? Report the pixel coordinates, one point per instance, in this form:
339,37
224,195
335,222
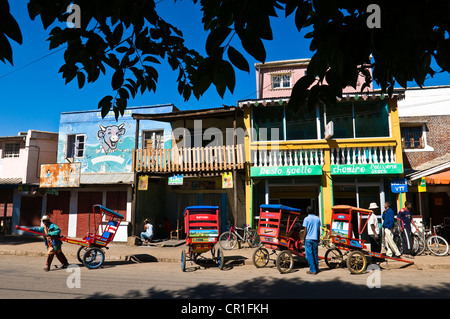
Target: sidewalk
170,251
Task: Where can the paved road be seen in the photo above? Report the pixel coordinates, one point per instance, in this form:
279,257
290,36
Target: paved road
23,277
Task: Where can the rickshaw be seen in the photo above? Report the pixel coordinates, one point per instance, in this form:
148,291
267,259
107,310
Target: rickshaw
201,224
347,226
105,224
278,230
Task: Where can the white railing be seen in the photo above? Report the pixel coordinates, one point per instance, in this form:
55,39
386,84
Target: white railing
287,157
363,155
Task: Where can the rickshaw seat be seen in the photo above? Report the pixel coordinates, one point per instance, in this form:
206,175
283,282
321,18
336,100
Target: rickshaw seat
106,234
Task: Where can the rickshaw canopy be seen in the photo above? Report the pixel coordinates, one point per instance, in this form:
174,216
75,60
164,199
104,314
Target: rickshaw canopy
342,220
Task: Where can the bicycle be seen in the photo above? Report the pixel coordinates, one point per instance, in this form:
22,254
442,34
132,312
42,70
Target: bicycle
430,240
229,239
325,237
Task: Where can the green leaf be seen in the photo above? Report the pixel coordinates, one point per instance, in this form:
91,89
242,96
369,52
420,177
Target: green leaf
253,44
117,79
238,59
216,38
228,74
81,79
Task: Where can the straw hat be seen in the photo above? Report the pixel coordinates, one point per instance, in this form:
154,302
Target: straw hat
373,206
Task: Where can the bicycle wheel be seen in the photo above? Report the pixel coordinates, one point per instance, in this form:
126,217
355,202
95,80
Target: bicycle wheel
228,240
285,262
333,258
80,253
437,245
253,238
418,245
356,262
93,258
260,257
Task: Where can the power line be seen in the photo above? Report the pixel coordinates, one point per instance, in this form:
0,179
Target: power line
28,64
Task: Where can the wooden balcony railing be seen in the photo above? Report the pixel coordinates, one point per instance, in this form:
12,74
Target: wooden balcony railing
207,159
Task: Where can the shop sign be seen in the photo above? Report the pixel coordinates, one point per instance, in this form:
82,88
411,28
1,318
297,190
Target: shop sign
143,183
422,187
176,179
272,171
399,185
367,169
227,180
60,175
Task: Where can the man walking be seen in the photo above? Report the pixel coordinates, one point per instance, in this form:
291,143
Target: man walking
405,216
51,233
388,227
311,238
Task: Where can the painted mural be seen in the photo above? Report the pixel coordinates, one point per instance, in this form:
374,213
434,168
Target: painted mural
107,144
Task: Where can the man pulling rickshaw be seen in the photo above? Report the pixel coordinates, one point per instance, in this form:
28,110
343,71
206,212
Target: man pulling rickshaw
52,241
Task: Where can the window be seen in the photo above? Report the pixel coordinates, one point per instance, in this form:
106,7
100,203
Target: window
371,120
342,117
351,120
11,150
75,146
268,123
281,81
153,139
412,137
301,126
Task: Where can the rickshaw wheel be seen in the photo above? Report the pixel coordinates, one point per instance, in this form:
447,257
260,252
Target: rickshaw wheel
80,253
183,260
333,258
285,262
93,258
220,259
356,262
260,257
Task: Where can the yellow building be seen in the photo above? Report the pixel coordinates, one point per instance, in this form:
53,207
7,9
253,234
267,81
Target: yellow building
291,161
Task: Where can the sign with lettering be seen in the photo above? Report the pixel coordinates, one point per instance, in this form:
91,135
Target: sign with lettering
367,169
176,180
285,170
399,185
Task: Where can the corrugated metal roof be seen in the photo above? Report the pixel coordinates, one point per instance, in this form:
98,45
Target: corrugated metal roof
107,178
11,181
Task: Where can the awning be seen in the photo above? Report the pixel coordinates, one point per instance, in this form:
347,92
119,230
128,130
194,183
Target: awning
109,178
438,178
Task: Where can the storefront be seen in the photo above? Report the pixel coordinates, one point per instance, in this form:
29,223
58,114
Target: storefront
295,161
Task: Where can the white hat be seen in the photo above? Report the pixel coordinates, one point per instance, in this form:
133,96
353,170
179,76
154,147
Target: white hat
45,217
373,206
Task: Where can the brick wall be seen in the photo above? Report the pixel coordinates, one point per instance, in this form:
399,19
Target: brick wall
437,132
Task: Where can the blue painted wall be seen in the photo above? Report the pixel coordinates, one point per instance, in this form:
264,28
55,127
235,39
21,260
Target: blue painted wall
100,155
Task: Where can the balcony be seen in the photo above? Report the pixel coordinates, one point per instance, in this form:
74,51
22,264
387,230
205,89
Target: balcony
193,159
356,156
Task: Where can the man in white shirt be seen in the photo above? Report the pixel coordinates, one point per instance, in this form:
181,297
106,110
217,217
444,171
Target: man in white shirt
373,229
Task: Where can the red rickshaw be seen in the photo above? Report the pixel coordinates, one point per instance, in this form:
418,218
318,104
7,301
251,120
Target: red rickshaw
347,226
105,223
201,224
279,230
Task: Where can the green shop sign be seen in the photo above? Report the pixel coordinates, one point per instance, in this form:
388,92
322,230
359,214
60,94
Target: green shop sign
367,169
285,170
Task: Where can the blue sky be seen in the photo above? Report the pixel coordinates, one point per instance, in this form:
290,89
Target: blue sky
34,96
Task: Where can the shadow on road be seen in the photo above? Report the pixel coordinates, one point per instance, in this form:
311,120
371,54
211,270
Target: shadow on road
264,288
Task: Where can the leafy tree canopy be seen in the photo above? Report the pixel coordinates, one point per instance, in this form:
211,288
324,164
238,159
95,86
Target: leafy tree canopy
394,44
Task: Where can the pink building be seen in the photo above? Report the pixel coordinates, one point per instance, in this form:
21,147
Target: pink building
276,79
